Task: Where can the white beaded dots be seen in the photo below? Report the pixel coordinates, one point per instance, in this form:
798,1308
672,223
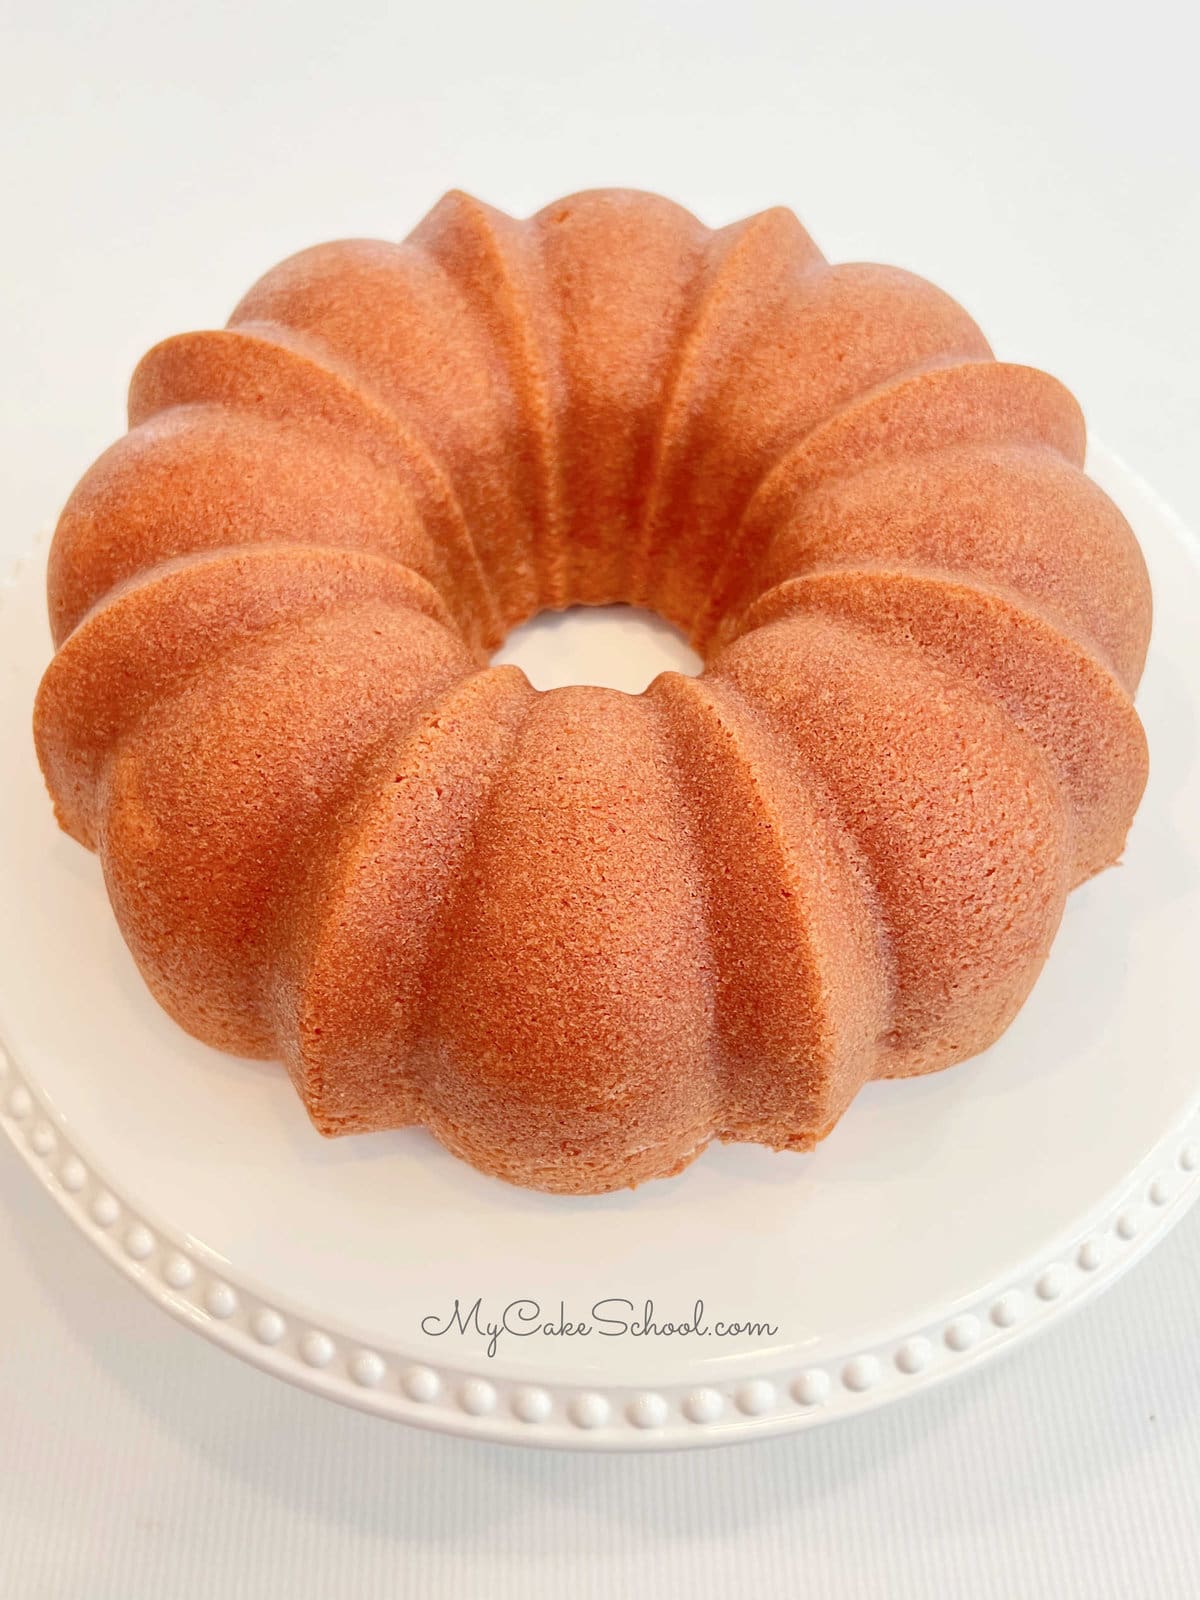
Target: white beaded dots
139,1242
861,1374
914,1356
20,1103
72,1175
531,1405
647,1411
105,1209
1051,1283
755,1399
267,1326
220,1301
368,1369
178,1272
703,1405
589,1411
421,1384
316,1349
962,1333
477,1397
1007,1310
1090,1255
812,1388
42,1140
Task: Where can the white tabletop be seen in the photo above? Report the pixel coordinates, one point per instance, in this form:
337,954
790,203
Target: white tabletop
1039,161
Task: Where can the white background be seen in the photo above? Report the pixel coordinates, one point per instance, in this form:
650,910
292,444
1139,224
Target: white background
1042,162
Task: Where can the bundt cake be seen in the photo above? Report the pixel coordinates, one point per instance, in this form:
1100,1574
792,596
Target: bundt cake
578,934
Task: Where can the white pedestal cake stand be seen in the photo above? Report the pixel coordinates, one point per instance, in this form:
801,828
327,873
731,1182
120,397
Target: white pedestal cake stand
943,1221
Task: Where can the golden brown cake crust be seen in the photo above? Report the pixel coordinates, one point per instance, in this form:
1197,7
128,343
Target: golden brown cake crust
579,934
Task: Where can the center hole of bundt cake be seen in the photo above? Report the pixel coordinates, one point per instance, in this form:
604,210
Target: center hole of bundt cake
612,647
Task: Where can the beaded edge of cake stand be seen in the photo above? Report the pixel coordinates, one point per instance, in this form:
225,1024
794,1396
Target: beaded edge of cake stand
300,1347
